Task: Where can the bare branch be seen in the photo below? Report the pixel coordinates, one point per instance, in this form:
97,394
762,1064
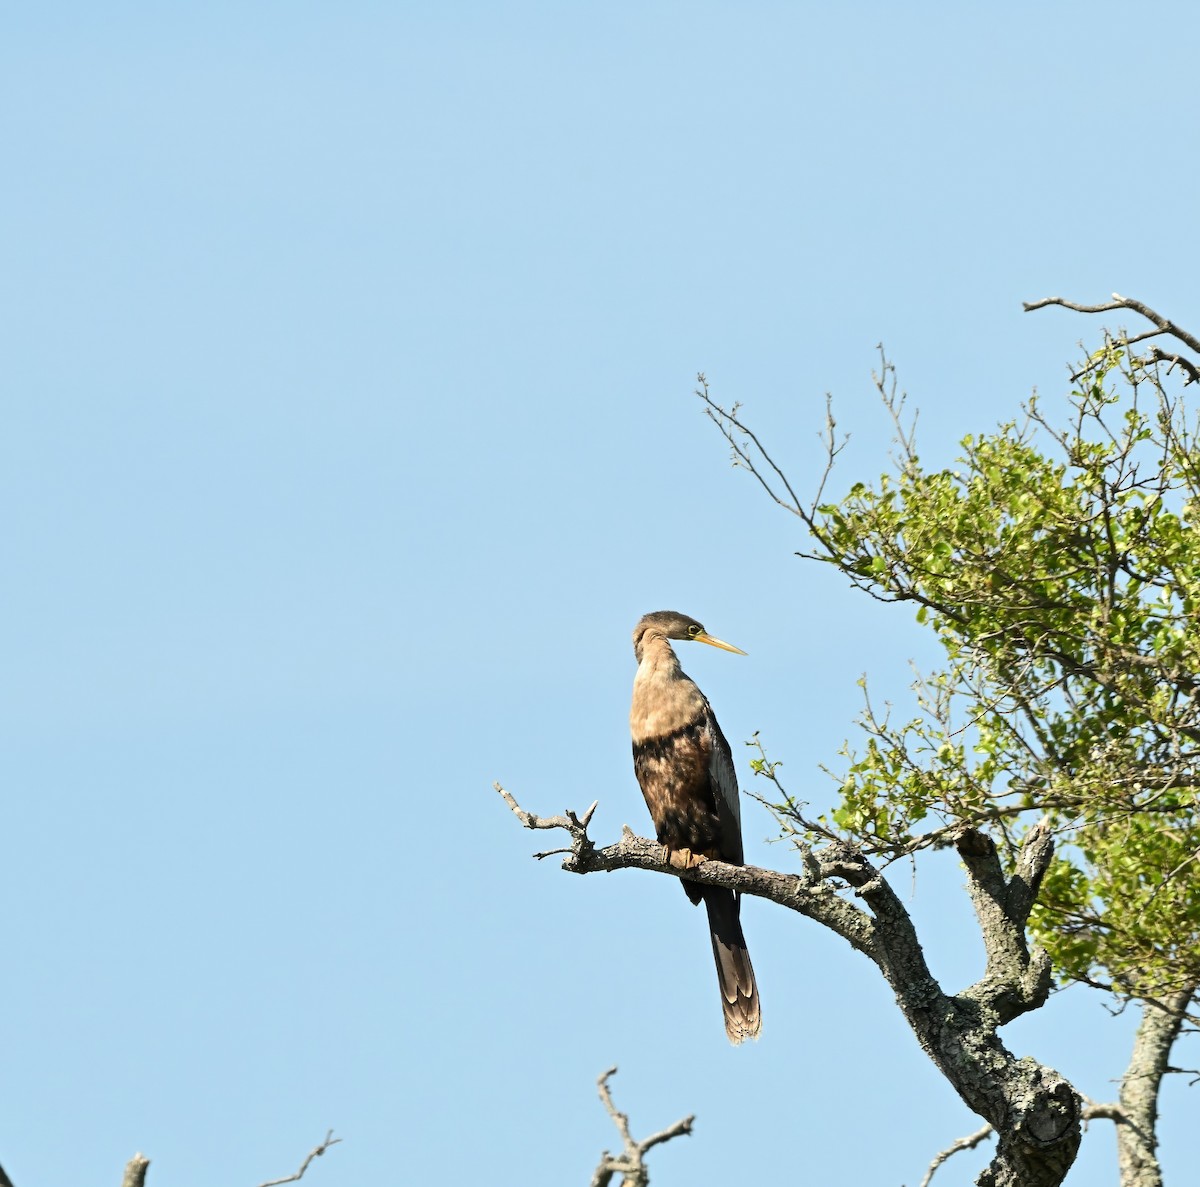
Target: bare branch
726,420
135,1171
967,1143
1186,1071
808,893
1030,306
1164,326
630,1163
330,1140
575,825
1155,355
1167,326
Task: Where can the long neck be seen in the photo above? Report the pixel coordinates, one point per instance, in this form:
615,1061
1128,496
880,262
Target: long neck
664,697
655,649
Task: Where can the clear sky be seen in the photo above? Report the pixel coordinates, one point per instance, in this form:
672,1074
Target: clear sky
348,429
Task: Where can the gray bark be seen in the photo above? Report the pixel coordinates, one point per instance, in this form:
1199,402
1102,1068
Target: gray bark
1137,1118
630,1164
1035,1111
135,1171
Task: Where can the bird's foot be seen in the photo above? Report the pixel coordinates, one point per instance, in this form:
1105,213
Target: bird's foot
684,859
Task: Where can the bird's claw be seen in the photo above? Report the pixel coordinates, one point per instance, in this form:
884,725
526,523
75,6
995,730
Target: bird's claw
683,859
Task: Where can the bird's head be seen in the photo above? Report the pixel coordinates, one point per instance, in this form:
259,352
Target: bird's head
670,624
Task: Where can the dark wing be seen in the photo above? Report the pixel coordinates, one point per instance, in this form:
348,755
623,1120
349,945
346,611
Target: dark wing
723,781
673,771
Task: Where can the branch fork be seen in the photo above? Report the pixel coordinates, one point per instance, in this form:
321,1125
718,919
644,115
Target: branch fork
1162,326
1016,980
630,1163
1035,1111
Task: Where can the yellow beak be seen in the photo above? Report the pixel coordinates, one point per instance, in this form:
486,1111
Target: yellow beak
718,643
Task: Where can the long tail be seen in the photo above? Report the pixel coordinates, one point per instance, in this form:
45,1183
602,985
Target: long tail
739,993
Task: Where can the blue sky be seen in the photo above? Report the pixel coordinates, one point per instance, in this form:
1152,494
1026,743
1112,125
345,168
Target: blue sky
348,363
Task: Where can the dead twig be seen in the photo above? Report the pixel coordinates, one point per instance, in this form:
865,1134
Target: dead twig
135,1171
569,821
1186,1071
1102,1111
630,1163
967,1143
330,1140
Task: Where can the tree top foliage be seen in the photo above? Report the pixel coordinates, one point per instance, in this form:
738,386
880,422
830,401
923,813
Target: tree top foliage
1057,561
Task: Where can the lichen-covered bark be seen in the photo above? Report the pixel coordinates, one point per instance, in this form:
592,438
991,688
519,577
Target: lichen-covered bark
1040,1137
1034,1110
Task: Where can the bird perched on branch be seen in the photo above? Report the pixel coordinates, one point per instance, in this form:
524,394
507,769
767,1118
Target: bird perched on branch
685,769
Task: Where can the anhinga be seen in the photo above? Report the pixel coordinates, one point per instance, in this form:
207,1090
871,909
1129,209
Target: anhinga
686,773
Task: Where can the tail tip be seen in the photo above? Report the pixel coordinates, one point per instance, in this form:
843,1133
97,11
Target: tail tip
742,1024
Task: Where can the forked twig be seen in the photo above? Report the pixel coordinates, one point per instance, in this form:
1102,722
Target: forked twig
330,1140
630,1163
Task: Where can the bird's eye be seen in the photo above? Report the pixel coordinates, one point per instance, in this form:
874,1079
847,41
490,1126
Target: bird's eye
694,630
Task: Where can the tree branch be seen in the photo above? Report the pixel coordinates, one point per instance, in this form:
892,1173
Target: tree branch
136,1167
630,1163
135,1171
805,893
967,1143
1034,1110
330,1140
1155,355
1015,980
1102,1111
1164,326
1137,1137
575,825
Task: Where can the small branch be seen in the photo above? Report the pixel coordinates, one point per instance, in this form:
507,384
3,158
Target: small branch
1177,1071
791,809
724,419
575,825
1030,306
1111,1111
967,1143
1155,355
1037,851
807,893
630,1163
330,1140
135,1171
1164,326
